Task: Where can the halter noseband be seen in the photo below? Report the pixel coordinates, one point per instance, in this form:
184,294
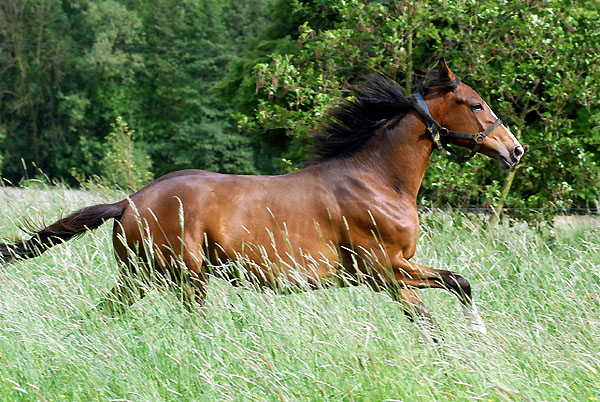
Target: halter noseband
439,132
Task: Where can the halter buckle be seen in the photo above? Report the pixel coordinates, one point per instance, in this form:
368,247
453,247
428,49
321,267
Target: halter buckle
443,131
479,138
435,136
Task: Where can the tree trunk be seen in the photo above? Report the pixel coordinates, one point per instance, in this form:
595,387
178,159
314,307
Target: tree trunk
497,210
412,10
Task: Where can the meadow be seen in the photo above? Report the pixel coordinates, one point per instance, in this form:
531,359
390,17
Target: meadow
537,287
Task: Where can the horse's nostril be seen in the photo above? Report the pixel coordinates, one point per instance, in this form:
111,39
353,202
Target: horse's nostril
518,151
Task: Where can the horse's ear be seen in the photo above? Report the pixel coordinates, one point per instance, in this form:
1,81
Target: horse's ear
444,70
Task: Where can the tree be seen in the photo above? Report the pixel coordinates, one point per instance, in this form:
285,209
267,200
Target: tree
189,44
33,65
536,63
68,69
124,164
544,78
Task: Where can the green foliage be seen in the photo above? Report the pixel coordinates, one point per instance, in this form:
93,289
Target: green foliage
535,63
68,69
2,139
125,163
543,78
34,65
189,46
177,71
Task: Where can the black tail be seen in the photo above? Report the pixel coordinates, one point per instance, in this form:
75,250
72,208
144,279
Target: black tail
73,225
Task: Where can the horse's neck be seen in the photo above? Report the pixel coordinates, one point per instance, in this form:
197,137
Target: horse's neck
398,155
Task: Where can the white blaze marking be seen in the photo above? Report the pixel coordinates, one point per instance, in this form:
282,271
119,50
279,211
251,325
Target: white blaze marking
515,141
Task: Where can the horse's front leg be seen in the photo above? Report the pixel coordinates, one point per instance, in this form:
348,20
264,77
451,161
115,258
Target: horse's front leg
411,276
411,302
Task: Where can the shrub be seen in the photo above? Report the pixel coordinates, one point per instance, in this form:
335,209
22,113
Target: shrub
125,163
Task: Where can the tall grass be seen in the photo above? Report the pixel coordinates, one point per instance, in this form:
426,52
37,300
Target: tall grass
537,288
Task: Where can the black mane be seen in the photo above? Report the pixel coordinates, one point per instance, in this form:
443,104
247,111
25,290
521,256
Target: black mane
377,100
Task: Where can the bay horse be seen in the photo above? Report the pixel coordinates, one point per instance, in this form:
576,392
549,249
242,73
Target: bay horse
352,213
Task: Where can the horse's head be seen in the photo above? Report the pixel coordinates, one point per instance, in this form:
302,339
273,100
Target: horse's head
469,120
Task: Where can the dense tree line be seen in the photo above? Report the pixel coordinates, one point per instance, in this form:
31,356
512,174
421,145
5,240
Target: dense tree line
177,71
68,69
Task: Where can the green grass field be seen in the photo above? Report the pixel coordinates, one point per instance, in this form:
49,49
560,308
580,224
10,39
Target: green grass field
537,288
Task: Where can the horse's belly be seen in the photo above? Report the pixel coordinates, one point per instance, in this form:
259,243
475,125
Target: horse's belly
276,251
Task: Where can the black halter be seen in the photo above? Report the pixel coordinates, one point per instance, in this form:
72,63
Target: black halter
439,132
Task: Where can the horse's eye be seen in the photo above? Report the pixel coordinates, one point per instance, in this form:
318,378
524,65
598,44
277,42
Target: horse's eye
477,107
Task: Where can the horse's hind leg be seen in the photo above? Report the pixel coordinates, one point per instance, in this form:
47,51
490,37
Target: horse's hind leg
194,293
133,278
124,293
193,281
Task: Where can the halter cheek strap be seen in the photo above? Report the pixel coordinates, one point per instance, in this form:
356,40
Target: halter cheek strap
439,132
433,127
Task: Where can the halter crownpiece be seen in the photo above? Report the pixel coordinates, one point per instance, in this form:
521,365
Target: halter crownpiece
438,132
